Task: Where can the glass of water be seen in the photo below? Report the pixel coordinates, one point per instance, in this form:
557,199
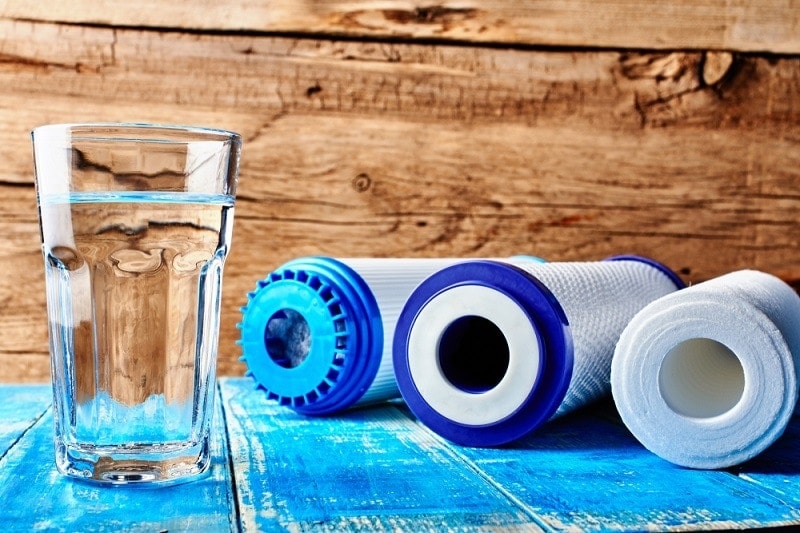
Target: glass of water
136,224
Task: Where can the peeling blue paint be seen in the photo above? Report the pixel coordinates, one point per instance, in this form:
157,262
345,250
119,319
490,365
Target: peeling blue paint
380,469
20,407
37,498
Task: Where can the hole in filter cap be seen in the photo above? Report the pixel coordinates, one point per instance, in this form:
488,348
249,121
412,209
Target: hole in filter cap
473,354
701,378
287,338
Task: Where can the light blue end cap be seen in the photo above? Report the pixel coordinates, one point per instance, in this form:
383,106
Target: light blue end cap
327,321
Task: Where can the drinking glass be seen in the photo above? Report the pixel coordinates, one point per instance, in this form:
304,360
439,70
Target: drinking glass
136,223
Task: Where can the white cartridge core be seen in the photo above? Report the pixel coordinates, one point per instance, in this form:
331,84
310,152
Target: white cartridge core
701,378
438,341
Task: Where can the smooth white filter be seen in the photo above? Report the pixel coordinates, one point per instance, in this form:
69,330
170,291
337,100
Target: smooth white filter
706,377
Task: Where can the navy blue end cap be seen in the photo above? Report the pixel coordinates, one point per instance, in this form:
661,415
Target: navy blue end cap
345,329
679,283
555,346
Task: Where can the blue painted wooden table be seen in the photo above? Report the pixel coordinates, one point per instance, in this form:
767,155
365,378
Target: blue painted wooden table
379,469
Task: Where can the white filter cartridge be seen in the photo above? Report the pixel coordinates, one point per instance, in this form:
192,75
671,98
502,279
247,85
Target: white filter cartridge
706,377
485,352
316,333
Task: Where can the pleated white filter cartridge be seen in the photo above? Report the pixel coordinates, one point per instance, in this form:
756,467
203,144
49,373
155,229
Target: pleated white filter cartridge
316,332
707,377
485,352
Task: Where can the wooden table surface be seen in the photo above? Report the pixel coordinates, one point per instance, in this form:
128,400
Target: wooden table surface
378,469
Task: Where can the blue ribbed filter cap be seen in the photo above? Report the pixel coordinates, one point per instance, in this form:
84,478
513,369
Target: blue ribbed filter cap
312,336
316,332
485,352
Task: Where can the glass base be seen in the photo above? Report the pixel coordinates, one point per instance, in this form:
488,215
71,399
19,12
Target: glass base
135,465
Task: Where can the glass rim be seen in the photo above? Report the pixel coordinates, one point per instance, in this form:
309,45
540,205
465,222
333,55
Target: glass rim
127,132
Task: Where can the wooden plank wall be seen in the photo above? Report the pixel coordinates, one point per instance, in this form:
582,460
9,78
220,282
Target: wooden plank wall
568,129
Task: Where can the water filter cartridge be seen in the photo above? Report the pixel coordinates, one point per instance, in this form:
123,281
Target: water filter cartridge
707,377
316,332
485,352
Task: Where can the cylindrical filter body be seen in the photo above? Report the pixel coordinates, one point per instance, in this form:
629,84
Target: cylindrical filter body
316,333
706,378
485,352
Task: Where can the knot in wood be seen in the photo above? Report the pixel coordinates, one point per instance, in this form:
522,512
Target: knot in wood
362,182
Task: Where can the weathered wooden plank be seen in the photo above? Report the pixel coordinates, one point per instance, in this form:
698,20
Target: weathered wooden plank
366,470
279,76
382,149
587,473
719,24
20,407
36,498
378,469
24,352
776,471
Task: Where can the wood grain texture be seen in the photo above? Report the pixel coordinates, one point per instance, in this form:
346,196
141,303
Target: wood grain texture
378,469
773,470
764,25
20,407
368,470
587,472
37,498
367,148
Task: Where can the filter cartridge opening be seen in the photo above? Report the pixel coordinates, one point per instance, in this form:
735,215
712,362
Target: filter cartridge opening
701,378
473,354
287,338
